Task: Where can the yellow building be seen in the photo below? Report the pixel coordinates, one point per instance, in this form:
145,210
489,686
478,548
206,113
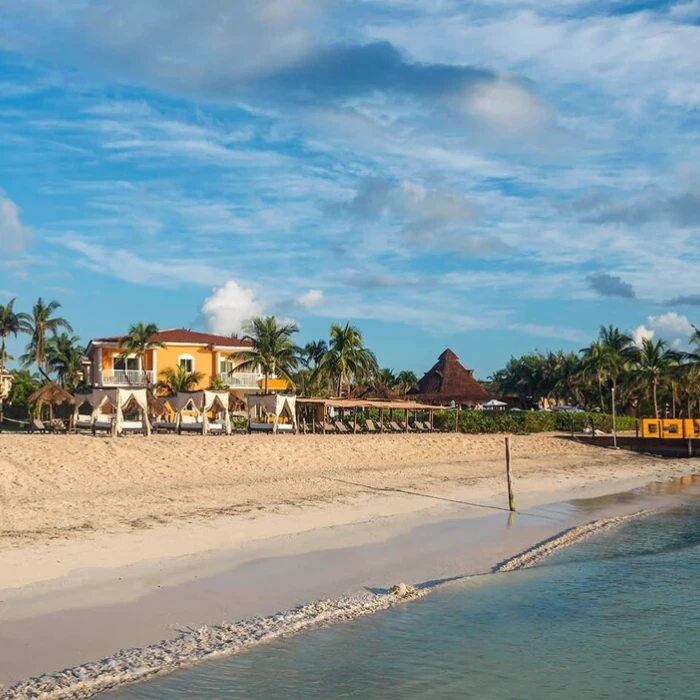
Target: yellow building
196,352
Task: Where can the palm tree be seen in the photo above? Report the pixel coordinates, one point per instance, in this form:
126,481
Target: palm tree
386,377
619,354
406,381
595,362
64,356
178,380
654,363
40,324
140,339
274,351
314,351
347,358
11,323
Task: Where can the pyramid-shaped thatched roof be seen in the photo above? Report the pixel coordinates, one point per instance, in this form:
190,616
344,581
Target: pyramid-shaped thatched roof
448,381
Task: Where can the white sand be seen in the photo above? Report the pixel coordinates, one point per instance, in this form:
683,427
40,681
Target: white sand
113,543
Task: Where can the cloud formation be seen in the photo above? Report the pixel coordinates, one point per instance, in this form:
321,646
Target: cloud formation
312,299
608,285
13,234
227,308
680,210
672,327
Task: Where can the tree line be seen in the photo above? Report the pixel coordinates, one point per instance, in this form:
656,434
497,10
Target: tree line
332,367
611,372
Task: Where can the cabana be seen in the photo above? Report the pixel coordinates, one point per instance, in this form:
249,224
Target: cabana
271,408
49,395
188,402
122,401
216,402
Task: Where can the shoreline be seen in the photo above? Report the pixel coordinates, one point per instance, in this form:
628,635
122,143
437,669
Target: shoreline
63,602
207,642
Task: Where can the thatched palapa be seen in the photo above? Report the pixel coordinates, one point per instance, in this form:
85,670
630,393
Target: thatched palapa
447,382
50,394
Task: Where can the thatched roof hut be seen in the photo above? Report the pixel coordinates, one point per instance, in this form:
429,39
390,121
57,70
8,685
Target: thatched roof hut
49,395
447,382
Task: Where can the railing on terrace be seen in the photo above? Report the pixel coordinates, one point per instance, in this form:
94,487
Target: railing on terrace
241,380
126,377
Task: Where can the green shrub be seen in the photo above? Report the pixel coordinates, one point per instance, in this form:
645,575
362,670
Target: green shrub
521,422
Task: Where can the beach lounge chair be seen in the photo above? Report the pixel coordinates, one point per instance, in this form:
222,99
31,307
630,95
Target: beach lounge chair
395,427
370,427
341,428
351,426
132,426
83,422
161,426
103,424
417,427
37,426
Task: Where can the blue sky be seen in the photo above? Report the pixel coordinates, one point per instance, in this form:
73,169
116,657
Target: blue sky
490,176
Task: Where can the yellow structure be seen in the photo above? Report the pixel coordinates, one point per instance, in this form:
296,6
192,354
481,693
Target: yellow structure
195,352
671,428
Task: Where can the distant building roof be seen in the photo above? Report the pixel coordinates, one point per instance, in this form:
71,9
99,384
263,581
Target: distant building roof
449,381
182,335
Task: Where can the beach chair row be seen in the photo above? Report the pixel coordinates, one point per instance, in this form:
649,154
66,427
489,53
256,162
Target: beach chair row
370,427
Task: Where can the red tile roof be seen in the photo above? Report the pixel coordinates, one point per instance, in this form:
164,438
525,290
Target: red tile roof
181,335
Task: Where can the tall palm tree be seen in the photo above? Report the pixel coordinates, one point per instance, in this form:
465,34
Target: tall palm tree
273,348
595,362
178,380
41,324
619,354
140,339
64,356
11,323
654,363
347,358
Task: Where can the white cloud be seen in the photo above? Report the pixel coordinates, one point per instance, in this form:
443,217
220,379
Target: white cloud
674,328
129,267
506,106
310,300
12,233
228,307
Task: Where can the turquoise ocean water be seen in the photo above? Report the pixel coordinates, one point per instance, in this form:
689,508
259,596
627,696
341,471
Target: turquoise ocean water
615,616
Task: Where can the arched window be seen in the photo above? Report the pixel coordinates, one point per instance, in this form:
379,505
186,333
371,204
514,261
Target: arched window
186,362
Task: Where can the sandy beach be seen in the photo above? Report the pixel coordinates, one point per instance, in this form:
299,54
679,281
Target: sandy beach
106,544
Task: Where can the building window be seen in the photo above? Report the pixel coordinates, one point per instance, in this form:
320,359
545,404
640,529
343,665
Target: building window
186,362
126,363
225,366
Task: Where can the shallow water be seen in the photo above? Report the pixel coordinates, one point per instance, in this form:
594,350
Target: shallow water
615,616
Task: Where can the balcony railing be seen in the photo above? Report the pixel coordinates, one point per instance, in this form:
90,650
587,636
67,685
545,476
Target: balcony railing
126,377
241,380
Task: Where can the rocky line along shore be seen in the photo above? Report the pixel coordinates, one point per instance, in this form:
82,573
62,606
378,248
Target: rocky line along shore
131,665
533,556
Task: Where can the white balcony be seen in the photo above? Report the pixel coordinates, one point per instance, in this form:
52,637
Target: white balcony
241,380
126,377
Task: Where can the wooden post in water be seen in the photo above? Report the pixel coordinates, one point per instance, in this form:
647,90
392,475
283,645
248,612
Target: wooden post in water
511,496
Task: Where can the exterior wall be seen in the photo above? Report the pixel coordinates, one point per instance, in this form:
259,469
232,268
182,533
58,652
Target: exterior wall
204,361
